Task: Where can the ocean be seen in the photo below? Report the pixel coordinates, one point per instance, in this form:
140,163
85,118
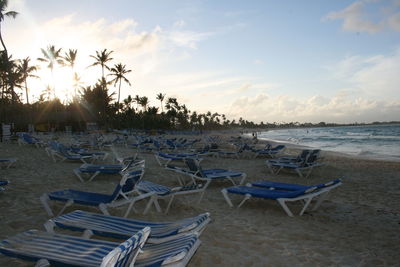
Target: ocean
370,141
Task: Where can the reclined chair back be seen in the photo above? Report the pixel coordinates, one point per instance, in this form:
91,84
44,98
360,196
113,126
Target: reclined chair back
125,254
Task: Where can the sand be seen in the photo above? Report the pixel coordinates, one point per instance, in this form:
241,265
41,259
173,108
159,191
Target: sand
358,226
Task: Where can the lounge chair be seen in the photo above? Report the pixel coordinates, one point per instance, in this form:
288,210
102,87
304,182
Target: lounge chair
270,151
196,172
95,169
25,138
163,192
7,162
63,154
306,162
120,196
166,158
282,193
121,228
3,183
65,250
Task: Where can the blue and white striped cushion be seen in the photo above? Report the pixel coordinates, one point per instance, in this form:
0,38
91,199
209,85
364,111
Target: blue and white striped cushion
123,227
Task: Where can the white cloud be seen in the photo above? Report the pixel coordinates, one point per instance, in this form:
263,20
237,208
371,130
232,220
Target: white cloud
341,109
355,19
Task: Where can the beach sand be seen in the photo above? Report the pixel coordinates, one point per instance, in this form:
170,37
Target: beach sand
358,226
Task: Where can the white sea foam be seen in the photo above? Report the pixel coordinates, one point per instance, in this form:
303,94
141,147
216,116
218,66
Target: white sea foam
376,141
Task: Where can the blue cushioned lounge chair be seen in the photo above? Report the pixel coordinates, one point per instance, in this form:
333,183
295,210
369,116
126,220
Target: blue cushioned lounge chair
270,152
166,158
122,228
282,193
65,250
196,172
120,196
95,169
165,192
62,250
305,162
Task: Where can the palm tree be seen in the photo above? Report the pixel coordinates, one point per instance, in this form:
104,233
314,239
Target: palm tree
52,56
3,13
119,71
101,58
144,101
70,58
161,97
25,71
77,83
137,100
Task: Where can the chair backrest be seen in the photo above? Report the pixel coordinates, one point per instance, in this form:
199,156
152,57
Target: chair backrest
303,156
127,183
313,156
194,166
125,254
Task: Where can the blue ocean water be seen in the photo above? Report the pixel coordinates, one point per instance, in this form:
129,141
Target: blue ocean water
372,141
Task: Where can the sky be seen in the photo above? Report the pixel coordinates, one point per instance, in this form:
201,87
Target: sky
271,61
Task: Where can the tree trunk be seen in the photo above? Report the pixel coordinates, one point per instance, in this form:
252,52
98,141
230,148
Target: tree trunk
26,91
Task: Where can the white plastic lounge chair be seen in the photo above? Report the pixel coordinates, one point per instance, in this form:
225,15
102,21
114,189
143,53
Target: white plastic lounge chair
95,169
62,250
65,250
165,192
306,162
121,228
270,152
120,196
166,158
63,154
25,138
7,162
282,193
196,172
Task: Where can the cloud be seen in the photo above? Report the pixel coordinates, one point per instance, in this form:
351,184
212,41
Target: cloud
340,109
394,22
371,93
375,76
355,19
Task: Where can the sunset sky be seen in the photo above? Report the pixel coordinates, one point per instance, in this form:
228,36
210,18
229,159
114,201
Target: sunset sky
282,61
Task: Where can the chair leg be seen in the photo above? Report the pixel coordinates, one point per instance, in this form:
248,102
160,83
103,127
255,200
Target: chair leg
169,203
247,196
228,200
94,175
153,199
67,204
321,198
103,208
201,197
282,202
78,174
45,202
49,226
299,173
306,205
244,178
